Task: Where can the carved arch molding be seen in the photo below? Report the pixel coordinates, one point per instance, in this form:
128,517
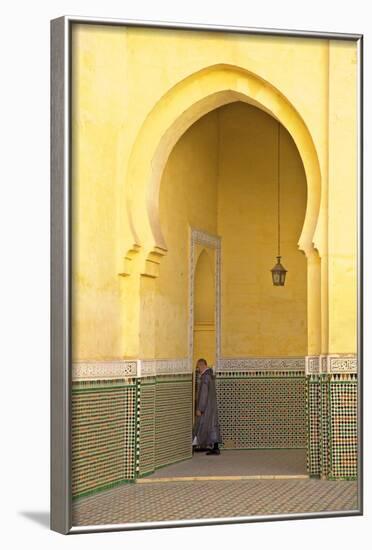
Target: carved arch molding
172,115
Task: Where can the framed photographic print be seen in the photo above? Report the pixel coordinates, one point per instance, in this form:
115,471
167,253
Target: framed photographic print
206,274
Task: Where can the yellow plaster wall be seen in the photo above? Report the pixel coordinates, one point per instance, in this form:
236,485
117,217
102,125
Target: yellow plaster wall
188,198
222,177
99,307
258,318
119,75
204,294
204,307
205,343
342,202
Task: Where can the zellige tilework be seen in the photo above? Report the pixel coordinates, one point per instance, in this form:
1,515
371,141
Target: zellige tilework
147,426
343,428
103,434
258,412
173,419
174,501
313,419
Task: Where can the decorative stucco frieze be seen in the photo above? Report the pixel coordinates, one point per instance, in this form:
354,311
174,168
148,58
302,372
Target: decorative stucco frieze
104,370
206,239
332,364
342,364
110,370
147,367
160,367
313,364
267,364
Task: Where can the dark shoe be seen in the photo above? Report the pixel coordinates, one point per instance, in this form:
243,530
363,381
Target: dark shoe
214,452
199,449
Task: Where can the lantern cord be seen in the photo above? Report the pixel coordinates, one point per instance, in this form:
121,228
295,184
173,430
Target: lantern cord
278,188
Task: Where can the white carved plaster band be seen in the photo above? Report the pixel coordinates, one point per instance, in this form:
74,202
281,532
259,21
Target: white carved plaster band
206,239
165,366
345,364
103,370
312,364
332,364
240,364
323,364
136,368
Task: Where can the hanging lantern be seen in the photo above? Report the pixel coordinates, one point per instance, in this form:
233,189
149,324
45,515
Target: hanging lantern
278,272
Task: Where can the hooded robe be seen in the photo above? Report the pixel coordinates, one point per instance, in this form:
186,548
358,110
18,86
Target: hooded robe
207,428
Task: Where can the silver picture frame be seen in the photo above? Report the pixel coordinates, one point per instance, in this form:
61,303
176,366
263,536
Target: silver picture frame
61,240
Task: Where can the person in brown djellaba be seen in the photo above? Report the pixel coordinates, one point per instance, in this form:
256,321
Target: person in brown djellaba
206,432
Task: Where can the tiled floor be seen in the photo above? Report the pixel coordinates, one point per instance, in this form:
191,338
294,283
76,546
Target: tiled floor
239,463
185,500
212,499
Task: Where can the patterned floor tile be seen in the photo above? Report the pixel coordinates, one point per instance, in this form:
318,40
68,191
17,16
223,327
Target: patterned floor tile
239,463
212,499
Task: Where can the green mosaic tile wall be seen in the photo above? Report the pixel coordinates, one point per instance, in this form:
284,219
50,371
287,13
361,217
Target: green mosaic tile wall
332,426
173,419
121,429
343,428
324,426
313,400
258,412
147,427
103,434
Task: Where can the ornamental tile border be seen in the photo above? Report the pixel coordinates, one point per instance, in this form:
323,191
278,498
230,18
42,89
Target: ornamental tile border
331,364
343,364
204,238
159,367
102,370
136,368
312,364
265,364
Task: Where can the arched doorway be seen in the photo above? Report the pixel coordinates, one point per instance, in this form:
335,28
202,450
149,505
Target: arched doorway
222,178
186,103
